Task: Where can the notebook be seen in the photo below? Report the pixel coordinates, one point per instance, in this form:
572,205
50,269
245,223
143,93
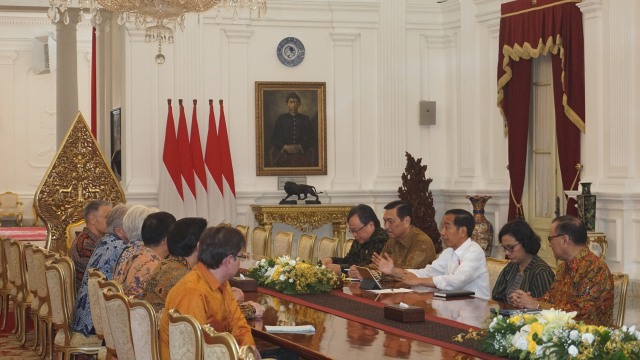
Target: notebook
370,281
453,293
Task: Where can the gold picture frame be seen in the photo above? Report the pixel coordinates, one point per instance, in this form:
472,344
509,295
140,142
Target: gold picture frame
291,139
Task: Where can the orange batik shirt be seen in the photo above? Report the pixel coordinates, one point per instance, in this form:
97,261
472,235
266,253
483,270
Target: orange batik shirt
585,285
202,296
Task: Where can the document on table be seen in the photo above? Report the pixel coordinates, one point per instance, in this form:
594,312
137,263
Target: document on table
301,329
391,291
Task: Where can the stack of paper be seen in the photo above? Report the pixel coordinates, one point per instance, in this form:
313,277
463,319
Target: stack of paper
301,329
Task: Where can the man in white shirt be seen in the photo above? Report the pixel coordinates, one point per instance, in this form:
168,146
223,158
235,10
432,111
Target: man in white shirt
461,266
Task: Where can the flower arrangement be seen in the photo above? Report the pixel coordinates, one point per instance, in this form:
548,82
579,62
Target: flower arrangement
293,276
553,334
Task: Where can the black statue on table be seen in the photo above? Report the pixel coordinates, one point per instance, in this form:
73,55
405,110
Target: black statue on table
300,190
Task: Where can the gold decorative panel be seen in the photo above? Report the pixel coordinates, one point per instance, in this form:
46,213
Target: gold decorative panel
305,218
78,173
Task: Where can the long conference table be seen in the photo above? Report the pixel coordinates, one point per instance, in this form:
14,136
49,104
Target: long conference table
349,324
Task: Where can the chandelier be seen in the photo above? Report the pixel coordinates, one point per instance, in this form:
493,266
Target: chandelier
160,18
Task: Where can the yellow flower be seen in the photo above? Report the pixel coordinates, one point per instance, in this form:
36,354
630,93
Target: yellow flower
276,273
515,319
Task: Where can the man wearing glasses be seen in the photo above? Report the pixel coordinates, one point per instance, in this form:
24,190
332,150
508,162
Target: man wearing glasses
205,294
369,237
408,247
583,282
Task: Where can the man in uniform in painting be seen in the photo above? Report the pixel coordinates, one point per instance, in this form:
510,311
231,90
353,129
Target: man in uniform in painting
293,139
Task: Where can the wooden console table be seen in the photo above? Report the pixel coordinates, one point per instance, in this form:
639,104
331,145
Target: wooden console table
305,218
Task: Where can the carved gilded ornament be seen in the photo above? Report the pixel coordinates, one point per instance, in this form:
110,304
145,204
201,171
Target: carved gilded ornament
304,218
78,173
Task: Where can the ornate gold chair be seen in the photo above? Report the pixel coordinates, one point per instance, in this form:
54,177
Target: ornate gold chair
259,241
282,243
144,330
32,278
10,205
494,267
93,291
119,323
22,298
224,346
224,224
73,230
185,337
106,328
327,247
306,243
60,275
5,286
347,246
620,283
40,259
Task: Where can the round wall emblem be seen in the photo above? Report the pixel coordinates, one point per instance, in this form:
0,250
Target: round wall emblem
290,51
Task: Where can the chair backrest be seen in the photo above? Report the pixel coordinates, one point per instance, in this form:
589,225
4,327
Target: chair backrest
17,269
9,200
327,247
106,328
119,323
144,330
282,243
73,230
7,273
494,267
218,345
347,246
58,297
93,291
30,274
224,224
185,337
4,278
259,241
305,246
40,258
620,283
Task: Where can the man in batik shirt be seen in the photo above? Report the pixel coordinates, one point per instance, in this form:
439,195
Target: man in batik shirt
369,238
95,218
137,270
583,282
104,259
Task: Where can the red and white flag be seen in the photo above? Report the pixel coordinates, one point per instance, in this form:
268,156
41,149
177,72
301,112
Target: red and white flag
229,185
170,195
186,165
213,164
202,207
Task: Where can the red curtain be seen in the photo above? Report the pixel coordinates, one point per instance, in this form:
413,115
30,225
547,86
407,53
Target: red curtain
528,31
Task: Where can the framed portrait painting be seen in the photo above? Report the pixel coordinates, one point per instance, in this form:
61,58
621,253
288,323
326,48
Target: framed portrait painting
291,128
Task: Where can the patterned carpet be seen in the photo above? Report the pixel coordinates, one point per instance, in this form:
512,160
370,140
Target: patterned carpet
9,346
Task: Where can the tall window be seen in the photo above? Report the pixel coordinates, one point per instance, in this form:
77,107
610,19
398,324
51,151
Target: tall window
545,197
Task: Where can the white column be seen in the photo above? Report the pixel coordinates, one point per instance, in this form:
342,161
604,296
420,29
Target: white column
346,117
391,135
66,75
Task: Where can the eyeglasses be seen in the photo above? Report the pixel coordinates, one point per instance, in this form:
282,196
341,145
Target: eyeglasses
509,248
353,232
554,236
241,256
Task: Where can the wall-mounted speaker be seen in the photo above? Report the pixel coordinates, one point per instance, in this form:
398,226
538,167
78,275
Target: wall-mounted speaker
427,112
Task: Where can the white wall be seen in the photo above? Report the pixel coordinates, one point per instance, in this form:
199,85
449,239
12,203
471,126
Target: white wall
379,58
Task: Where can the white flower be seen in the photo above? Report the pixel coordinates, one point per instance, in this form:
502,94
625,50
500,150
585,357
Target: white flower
588,338
557,317
270,272
574,335
632,329
573,351
282,277
290,280
520,341
292,262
